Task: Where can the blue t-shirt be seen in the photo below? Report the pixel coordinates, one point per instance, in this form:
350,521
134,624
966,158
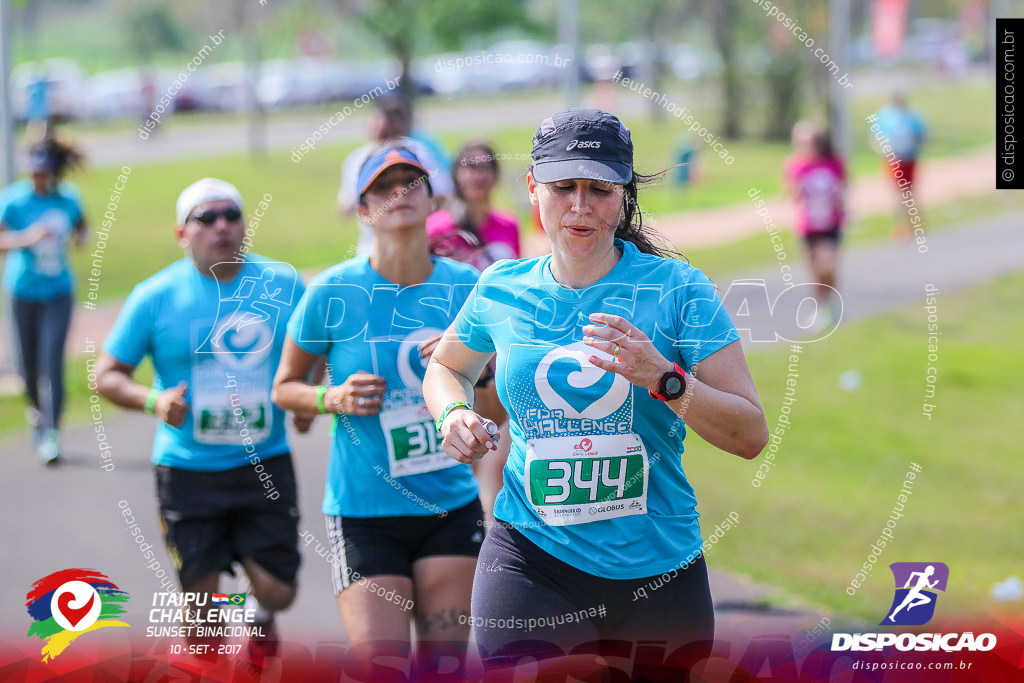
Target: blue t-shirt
585,432
40,272
389,464
224,339
905,130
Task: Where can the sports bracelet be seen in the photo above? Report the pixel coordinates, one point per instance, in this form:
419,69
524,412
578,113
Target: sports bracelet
320,391
448,409
150,407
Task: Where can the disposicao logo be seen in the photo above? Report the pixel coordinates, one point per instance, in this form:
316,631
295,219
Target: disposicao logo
913,605
916,583
68,603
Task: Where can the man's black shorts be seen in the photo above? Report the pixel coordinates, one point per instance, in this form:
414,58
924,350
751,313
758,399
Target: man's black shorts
211,519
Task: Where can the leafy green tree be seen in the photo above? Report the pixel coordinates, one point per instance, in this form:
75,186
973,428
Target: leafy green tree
149,28
407,26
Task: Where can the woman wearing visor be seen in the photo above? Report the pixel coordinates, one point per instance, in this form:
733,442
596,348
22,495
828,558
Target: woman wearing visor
404,520
607,350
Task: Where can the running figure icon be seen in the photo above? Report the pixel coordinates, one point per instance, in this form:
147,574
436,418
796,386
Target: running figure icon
916,597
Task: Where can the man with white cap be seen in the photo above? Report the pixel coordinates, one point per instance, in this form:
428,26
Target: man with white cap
214,324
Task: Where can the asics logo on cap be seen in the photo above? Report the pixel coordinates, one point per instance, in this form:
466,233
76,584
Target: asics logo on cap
583,144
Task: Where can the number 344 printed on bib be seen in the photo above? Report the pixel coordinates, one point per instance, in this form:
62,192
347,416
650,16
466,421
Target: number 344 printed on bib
573,480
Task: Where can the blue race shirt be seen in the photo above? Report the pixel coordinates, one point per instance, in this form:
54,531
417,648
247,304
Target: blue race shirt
224,339
595,475
40,272
905,130
389,464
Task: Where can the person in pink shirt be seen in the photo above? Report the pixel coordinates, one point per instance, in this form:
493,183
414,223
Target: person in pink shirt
816,179
471,230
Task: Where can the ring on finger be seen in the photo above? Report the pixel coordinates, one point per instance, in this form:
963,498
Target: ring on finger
361,401
615,353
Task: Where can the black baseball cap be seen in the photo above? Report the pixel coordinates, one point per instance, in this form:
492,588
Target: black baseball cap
41,159
582,143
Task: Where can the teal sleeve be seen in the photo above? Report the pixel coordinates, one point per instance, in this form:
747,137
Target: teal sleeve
131,338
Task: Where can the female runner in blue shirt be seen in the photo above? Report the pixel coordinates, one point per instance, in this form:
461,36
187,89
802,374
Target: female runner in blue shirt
39,217
404,521
605,348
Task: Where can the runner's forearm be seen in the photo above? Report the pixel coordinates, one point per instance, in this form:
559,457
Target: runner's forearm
120,389
442,386
301,398
726,421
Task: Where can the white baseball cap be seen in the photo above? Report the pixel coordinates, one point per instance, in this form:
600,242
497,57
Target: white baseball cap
206,190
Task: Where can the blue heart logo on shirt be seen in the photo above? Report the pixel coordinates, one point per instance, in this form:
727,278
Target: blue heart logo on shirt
580,399
412,368
566,380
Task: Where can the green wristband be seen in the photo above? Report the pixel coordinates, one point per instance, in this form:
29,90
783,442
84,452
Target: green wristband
320,391
448,409
150,408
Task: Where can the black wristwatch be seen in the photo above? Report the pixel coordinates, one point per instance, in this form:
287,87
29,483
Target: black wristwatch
672,384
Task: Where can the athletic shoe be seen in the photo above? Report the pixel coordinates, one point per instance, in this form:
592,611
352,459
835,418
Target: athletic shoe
263,643
35,422
48,449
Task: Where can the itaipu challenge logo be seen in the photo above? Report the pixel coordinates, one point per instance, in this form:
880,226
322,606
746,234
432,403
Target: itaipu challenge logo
916,583
69,603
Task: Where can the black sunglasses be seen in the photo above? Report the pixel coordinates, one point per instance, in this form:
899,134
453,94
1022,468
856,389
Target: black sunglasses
210,216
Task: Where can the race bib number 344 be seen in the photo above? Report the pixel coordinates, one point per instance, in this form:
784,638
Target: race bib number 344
572,480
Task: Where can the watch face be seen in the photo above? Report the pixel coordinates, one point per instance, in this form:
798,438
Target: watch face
673,385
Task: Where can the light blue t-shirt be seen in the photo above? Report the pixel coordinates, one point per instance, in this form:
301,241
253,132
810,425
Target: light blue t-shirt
389,464
905,130
586,432
224,339
40,272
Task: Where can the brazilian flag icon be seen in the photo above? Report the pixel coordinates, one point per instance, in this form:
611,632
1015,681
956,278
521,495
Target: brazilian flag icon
237,598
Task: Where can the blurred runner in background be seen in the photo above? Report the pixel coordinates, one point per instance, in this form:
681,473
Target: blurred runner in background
214,325
39,217
471,230
815,178
905,132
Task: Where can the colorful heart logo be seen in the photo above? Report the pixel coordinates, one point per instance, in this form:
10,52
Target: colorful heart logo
72,614
75,605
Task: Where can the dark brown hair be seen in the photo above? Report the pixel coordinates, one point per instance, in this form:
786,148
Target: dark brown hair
62,156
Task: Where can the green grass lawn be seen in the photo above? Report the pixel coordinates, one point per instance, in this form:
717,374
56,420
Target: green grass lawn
809,527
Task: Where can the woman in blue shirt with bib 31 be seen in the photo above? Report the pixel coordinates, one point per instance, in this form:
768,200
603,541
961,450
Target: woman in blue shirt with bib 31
606,352
38,219
404,521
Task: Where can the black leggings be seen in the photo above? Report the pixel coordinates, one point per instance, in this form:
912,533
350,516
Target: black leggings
42,328
528,604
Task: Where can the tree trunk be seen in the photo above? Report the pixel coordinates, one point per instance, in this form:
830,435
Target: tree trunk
723,24
256,123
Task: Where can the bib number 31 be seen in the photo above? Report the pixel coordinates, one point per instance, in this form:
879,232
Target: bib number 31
573,480
414,446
